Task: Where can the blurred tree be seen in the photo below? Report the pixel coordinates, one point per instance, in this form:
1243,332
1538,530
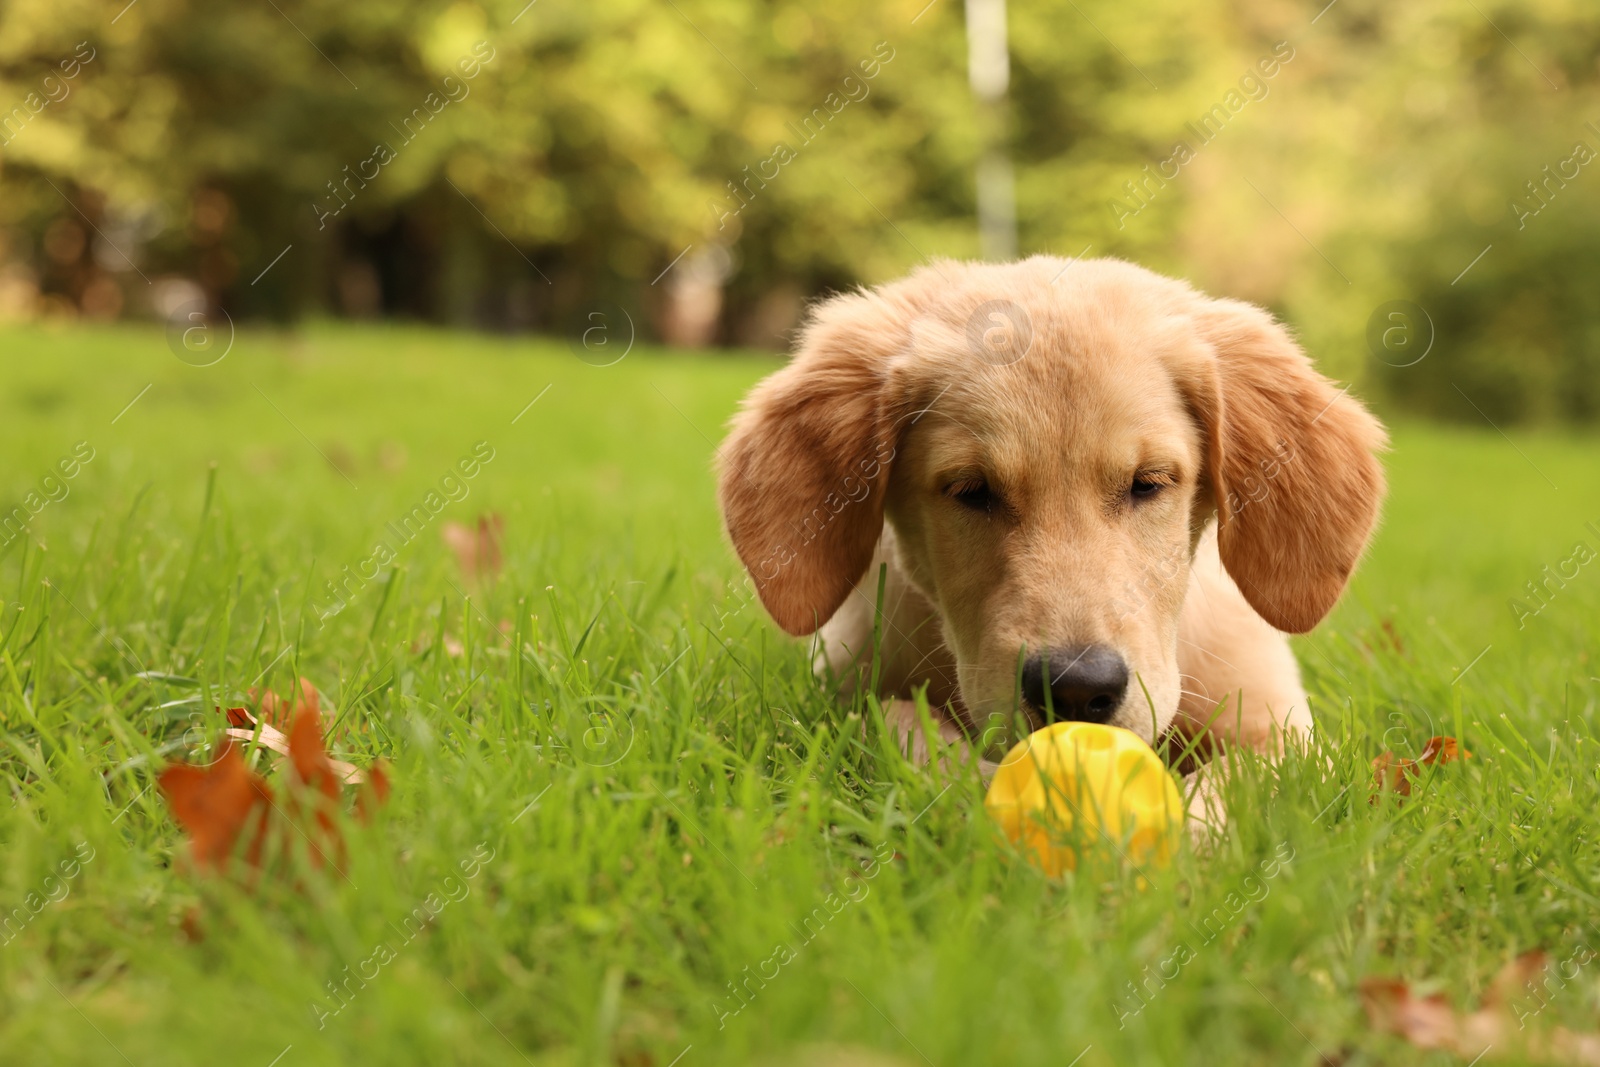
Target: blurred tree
709,165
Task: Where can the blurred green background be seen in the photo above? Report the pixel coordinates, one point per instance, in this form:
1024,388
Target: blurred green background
707,166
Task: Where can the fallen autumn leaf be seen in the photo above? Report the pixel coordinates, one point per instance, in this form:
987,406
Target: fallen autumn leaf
224,802
215,803
1429,1022
1392,774
477,550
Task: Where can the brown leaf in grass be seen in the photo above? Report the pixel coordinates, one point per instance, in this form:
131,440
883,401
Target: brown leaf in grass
218,804
1513,979
225,803
374,796
1429,1022
477,549
281,743
1442,750
268,737
1393,635
279,712
1393,774
309,756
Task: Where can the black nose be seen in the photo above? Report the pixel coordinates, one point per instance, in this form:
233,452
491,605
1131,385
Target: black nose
1086,683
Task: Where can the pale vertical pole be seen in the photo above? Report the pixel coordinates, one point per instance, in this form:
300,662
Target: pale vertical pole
989,71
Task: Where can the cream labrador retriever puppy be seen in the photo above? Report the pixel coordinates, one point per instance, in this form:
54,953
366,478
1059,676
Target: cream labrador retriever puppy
1100,495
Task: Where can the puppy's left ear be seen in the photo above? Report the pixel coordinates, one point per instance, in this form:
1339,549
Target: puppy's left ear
804,471
1292,466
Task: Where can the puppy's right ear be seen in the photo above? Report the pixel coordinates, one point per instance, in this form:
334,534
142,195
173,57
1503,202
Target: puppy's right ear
1292,464
804,472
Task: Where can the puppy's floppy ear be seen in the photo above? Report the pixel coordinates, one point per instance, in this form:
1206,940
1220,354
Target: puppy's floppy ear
1292,467
803,473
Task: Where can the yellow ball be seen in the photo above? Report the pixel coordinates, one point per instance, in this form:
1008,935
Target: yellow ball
1075,786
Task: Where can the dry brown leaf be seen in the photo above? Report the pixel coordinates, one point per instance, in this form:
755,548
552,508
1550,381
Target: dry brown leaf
1427,1022
1393,635
269,737
277,715
280,712
1442,750
1513,978
374,796
1393,774
310,756
1431,1023
477,549
225,802
217,804
314,769
279,742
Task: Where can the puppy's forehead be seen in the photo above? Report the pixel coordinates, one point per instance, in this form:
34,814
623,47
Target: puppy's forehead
1047,365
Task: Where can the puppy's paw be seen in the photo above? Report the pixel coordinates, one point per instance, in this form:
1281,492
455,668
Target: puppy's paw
1208,818
952,748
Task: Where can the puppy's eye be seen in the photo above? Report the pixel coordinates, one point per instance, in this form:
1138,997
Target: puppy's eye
971,493
1146,486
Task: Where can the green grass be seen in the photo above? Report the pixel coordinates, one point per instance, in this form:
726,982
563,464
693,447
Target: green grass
666,794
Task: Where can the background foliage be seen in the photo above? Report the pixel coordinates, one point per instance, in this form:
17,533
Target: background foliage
591,150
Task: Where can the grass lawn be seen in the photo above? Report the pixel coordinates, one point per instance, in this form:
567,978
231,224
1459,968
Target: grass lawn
668,828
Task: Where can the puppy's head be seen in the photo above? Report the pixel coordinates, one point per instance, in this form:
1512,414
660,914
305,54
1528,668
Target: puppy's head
1049,439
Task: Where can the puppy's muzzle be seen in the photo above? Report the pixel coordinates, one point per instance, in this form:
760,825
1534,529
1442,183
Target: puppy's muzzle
1086,683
